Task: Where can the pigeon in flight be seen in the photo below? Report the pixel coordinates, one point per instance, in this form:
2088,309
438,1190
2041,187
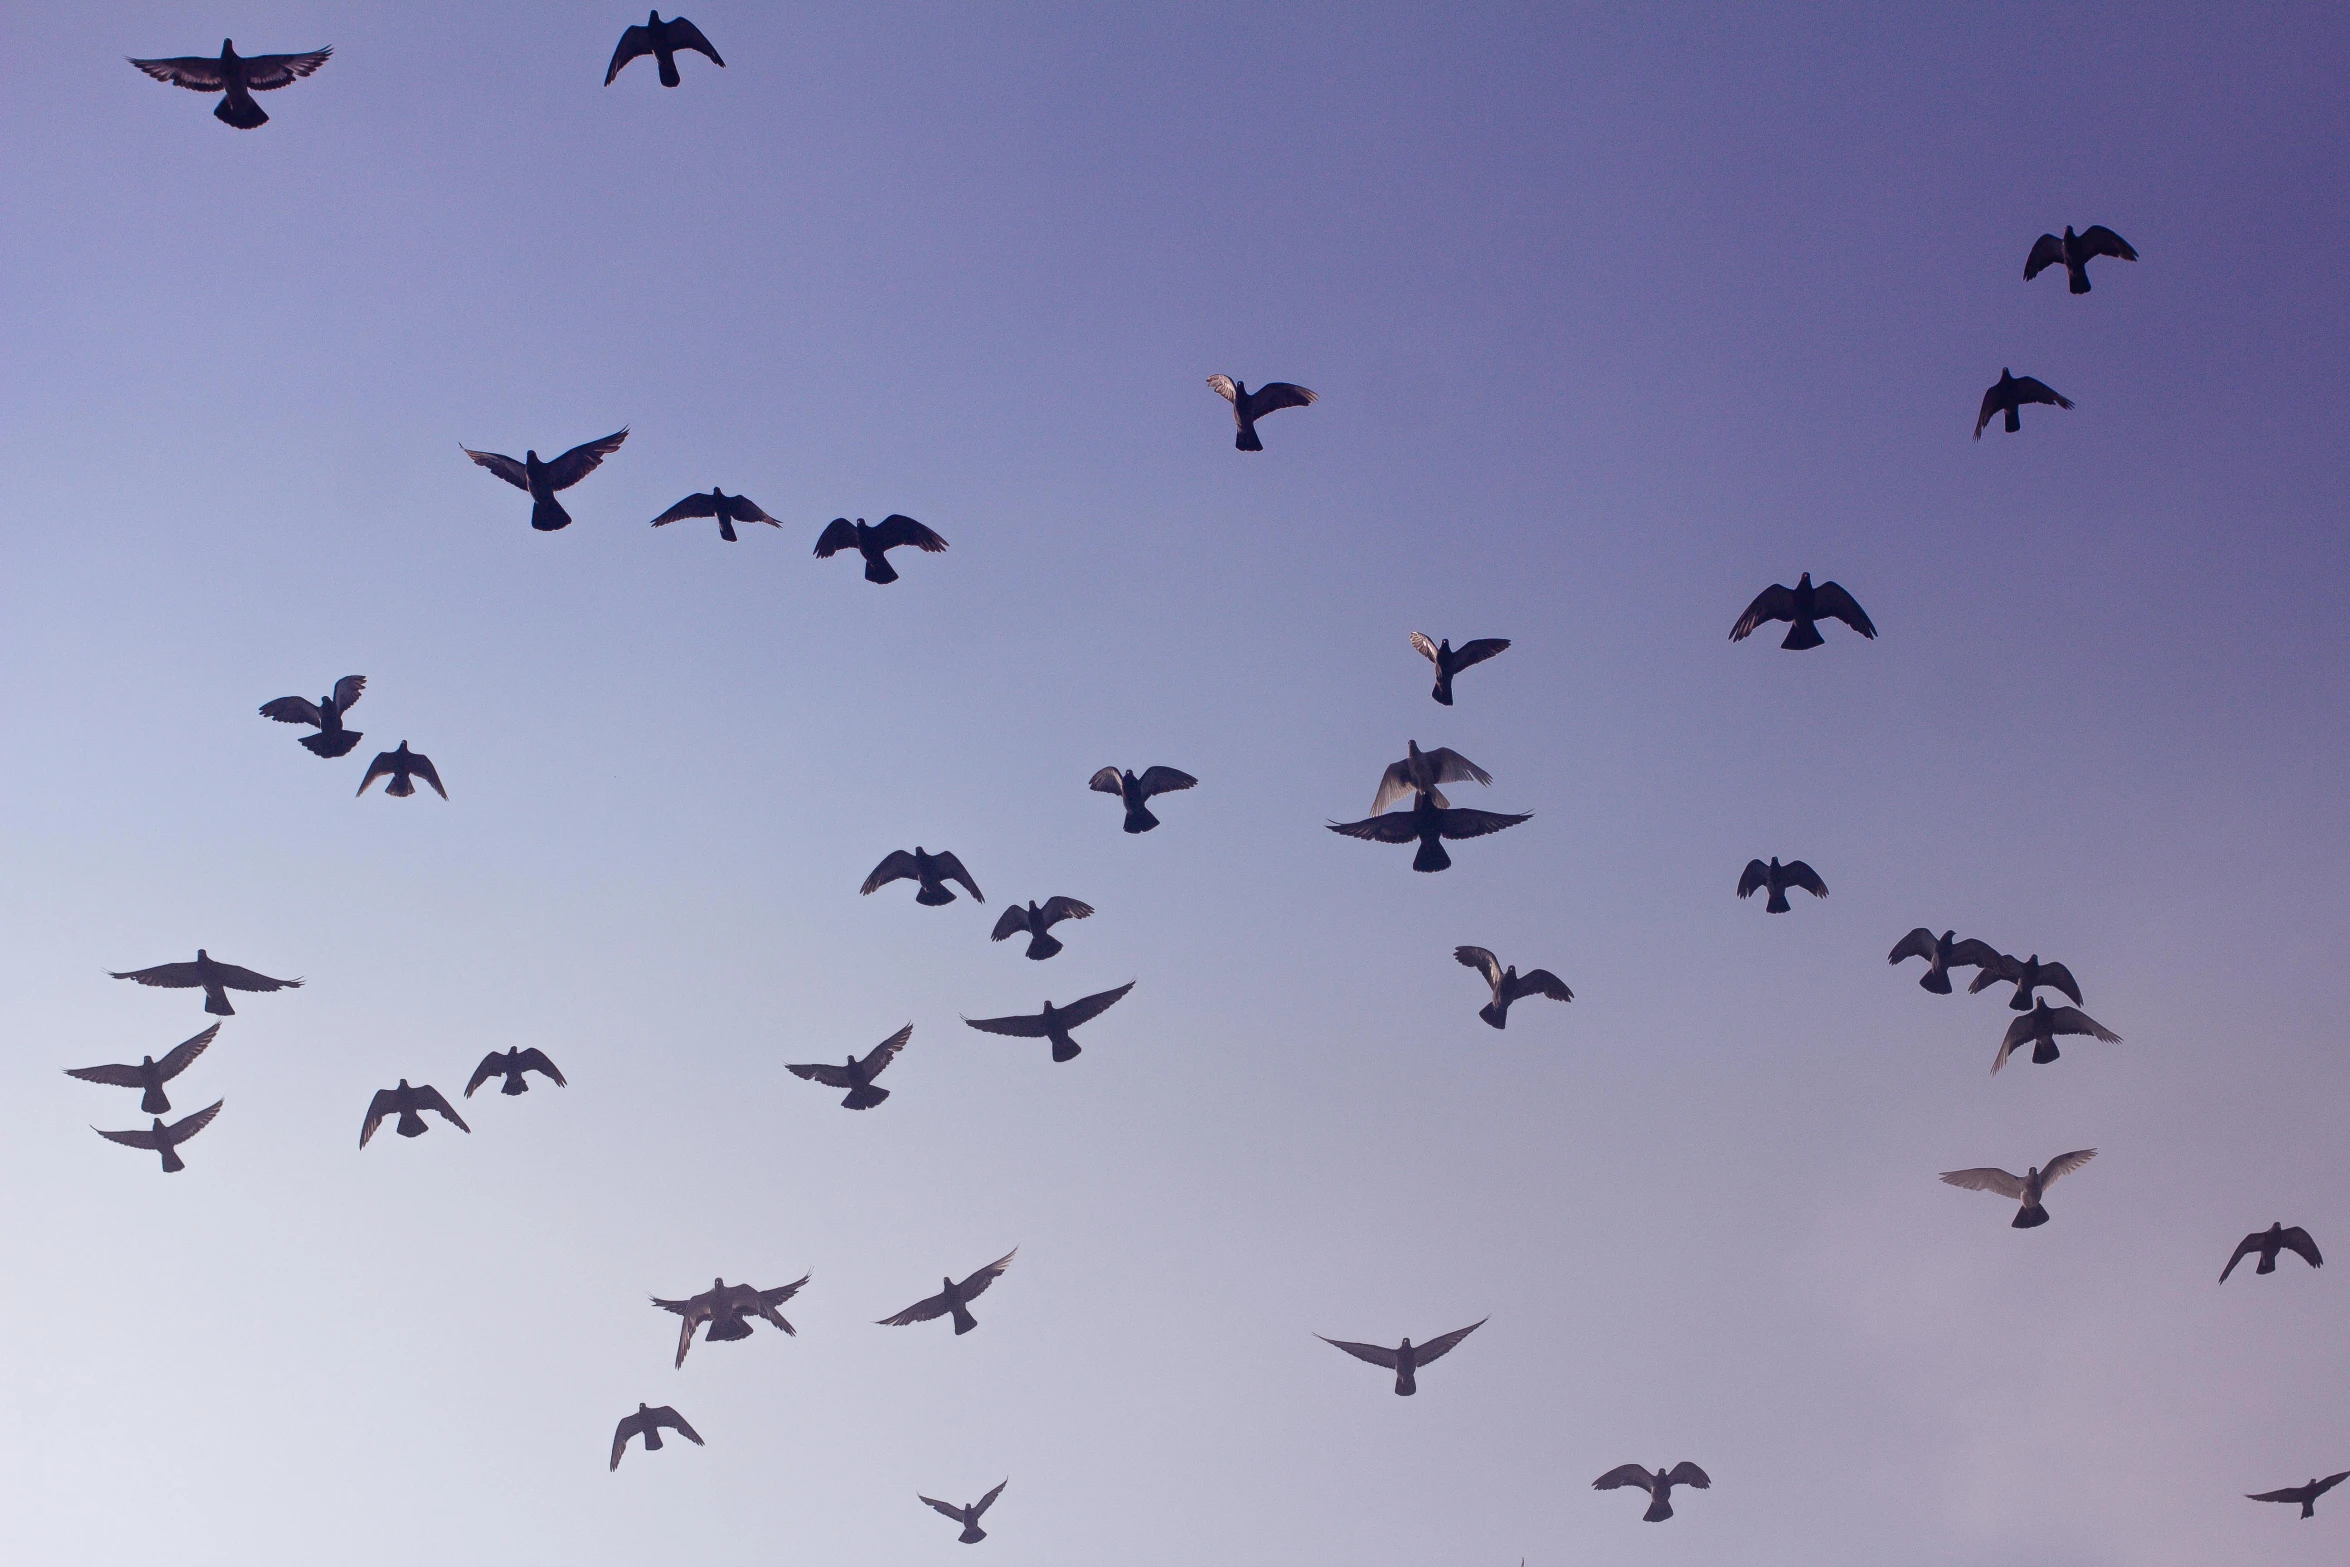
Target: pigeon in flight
2073,253
728,509
2026,975
724,1306
1804,605
543,479
1037,920
2267,1243
332,738
400,766
150,1074
512,1064
405,1102
1407,1357
857,1076
1778,878
2041,1025
1942,954
166,1139
875,543
933,871
1136,792
214,979
2010,395
953,1297
2026,1188
1248,407
1427,826
662,40
1508,984
647,1423
1450,661
1421,771
1053,1022
2306,1495
1659,1485
968,1517
238,76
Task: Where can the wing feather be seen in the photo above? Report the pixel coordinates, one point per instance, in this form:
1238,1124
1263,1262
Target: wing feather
882,1054
956,1513
1436,1348
839,534
233,977
1058,908
1461,822
987,1501
582,460
1688,1474
951,869
1477,652
1986,1179
823,1072
2047,251
167,976
1221,385
2244,1248
694,505
897,865
1919,943
1623,1475
1776,602
2298,1240
1086,1009
181,1130
113,1075
1542,982
431,1098
1164,780
1376,1354
131,1139
896,529
269,72
2072,1020
1030,1026
535,1060
293,710
183,1054
1387,827
2057,977
1278,394
500,464
1107,781
635,42
685,35
2098,240
492,1065
1830,599
976,1285
1801,875
923,1310
192,71
2064,1164
1483,961
2029,390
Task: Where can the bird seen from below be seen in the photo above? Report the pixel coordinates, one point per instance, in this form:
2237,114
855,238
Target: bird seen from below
724,1307
1407,1357
1036,920
932,871
2008,396
1805,605
2265,1244
1508,984
402,767
1778,878
1135,792
150,1074
326,717
875,543
968,1517
1659,1485
662,40
405,1102
1450,661
728,509
648,1423
216,980
511,1064
1248,407
2039,1028
2026,976
1942,954
1428,825
1421,771
1053,1022
2026,1189
543,479
238,76
166,1139
2305,1495
2074,251
857,1075
953,1299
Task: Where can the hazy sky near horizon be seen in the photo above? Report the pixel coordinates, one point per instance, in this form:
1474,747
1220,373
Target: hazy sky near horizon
1616,319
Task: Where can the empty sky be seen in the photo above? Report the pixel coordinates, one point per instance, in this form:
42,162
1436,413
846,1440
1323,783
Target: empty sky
1616,320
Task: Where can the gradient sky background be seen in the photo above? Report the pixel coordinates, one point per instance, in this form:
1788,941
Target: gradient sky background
1615,321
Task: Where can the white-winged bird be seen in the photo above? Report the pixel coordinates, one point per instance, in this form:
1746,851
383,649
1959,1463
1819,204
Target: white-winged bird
238,76
1407,1357
2265,1244
543,479
1135,792
1248,407
2041,1025
2026,1188
662,40
1942,954
875,543
724,1306
1427,826
1508,984
332,738
648,1422
2305,1495
857,1076
402,767
968,1517
1659,1485
1805,605
1421,771
166,1139
2074,251
2026,976
933,871
2009,394
405,1102
1450,661
1036,919
216,980
953,1298
1778,878
1053,1022
512,1064
728,509
150,1074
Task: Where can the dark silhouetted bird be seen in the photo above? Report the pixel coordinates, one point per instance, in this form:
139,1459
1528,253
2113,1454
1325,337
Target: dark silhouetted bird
933,871
1450,661
1248,407
216,980
2073,253
953,1298
724,1307
875,543
1427,826
150,1074
1421,771
968,1517
2041,1025
1407,1357
238,76
647,1422
2010,395
1037,920
1659,1485
1053,1022
405,1102
2026,1188
401,767
2026,975
1942,954
543,479
327,716
166,1139
1806,606
662,40
2267,1243
857,1076
512,1064
728,509
1508,984
1778,878
1134,792
2305,1495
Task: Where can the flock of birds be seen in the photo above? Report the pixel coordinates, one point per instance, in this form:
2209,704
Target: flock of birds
724,1312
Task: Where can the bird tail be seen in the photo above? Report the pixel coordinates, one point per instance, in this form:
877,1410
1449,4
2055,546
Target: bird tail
1065,1048
1659,1509
1247,440
2044,1052
2268,1264
1801,635
1042,946
1443,691
1405,1383
411,1124
652,1439
972,1534
2078,280
726,530
880,571
549,515
2031,1217
216,1003
1431,856
239,109
331,745
400,787
515,1085
2015,422
864,1098
1778,903
156,1102
172,1162
1937,981
964,1321
1495,1013
2021,1001
668,64
1140,819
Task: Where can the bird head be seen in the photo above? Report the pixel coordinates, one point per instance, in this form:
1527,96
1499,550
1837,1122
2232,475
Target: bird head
1405,1347
2033,961
1803,581
947,1285
147,1061
159,1124
2069,234
1444,646
643,1408
1413,748
530,454
1509,974
718,1284
1774,862
1949,936
201,956
2005,375
918,854
653,20
228,48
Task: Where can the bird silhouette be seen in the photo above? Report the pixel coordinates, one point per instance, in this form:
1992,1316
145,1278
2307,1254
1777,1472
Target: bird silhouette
857,1076
1053,1022
1136,792
662,40
405,1102
724,1307
166,1139
2305,1495
728,509
1450,661
2265,1244
968,1517
512,1064
402,767
214,979
1508,984
2073,253
1407,1357
150,1074
238,76
543,479
1037,920
1428,826
2009,395
1778,878
1942,954
2026,1189
1248,407
2041,1025
875,543
1806,606
1421,771
2025,975
953,1298
1659,1485
648,1422
332,738
933,871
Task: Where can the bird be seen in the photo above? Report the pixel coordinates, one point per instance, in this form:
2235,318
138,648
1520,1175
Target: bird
2010,394
238,76
1037,920
543,479
214,979
968,1517
1428,826
953,1297
728,509
150,1074
1135,792
1659,1485
1421,771
857,1076
1942,954
513,1063
724,1306
1805,605
2306,1495
332,738
1248,407
1778,878
933,871
2026,975
166,1139
1508,984
1053,1022
2026,1188
2073,253
1407,1357
2267,1243
399,766
647,1423
2041,1025
875,543
1450,661
662,40
405,1102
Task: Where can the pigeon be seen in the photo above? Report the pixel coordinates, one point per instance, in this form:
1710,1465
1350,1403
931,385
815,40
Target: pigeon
238,76
2041,1025
2010,395
1942,954
398,766
1407,1357
2026,1188
875,543
933,871
968,1517
1778,878
1508,984
1805,605
2306,1495
1248,407
1428,826
953,1297
2026,975
214,979
662,40
724,1306
150,1074
166,1139
1659,1485
1053,1022
405,1102
1136,791
512,1064
2267,1243
543,479
1450,661
647,1423
2073,253
728,509
1036,921
332,738
857,1076
1421,771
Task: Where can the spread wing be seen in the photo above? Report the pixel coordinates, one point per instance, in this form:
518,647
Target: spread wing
535,1060
1830,599
1436,1347
492,1065
184,1054
823,1072
268,72
1425,648
168,976
1452,767
1373,1353
1986,1180
1991,405
1756,875
1481,960
421,766
1389,827
2018,1032
132,1139
897,865
896,530
2246,1247
2072,1020
839,534
2057,977
956,1513
1623,1475
2291,1493
1164,780
1687,1473
747,510
1058,908
1998,966
1776,602
114,1075
1221,385
500,464
2098,240
1394,784
696,505
2029,390
685,35
1477,652
1025,1027
1093,1006
769,1299
2327,1484
1277,394
430,1098
627,1427
923,1310
348,690
181,1130
1971,953
1009,923
987,1501
666,1416
1460,822
234,978
1919,943
634,41
385,1102
951,869
1542,982
882,1054
383,766
293,710
1107,781
2296,1239
2047,251
199,74
582,460
1801,875
976,1285
2064,1164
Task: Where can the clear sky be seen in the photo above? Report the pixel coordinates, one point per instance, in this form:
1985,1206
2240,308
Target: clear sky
1616,320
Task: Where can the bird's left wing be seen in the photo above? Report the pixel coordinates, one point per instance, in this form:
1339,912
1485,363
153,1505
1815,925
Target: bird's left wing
987,1501
694,505
747,510
184,1053
2064,1164
2098,240
1801,875
1029,1026
582,460
1394,784
2072,1020
1452,767
1971,953
235,978
381,767
168,976
2327,1484
1423,1353
1829,598
422,767
1621,1476
1483,961
293,710
535,1060
2297,1239
897,865
1986,1179
2057,977
923,1310
896,529
1996,967
1755,876
1687,1473
194,72
492,1065
2019,1032
2047,251
1477,652
1090,1007
634,41
1387,827
1278,394
181,1130
348,690
113,1075
1376,1354
951,869
956,1513
839,534
500,464
822,1072
882,1054
1106,781
2246,1247
1542,982
2291,1493
685,35
131,1139
1990,406
1009,923
2030,390
666,1416
431,1098
268,72
1221,385
1919,943
1164,780
1776,602
976,1285
1461,822
384,1103
1058,908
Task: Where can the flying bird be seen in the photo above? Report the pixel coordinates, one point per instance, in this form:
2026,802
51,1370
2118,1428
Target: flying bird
2026,1188
543,479
332,738
401,767
512,1064
1421,771
166,1139
2306,1495
1450,661
1805,605
1942,954
150,1074
1659,1485
1508,984
728,509
1427,826
405,1102
214,979
1248,407
933,871
647,1423
1037,920
2267,1243
1136,792
875,543
2074,252
238,76
1407,1357
2010,394
2026,976
724,1306
857,1076
953,1297
662,40
1053,1022
968,1517
2040,1027
1778,878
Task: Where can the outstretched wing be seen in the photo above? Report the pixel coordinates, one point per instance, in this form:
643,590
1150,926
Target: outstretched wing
1277,394
695,505
113,1075
823,1072
268,72
431,1098
1776,602
1998,966
181,1130
2057,977
1058,908
184,1053
132,1139
1477,652
1623,1475
747,510
422,767
1221,385
685,35
2072,1020
2297,1240
1373,1353
492,1065
1093,1006
500,464
2019,1032
896,529
198,74
2246,1247
1919,943
1009,923
897,865
1830,599
1460,822
882,1054
535,1060
348,690
1801,875
1991,405
1542,982
781,1293
1029,1026
634,41
1687,1473
2047,251
384,1103
956,1513
839,534
627,1427
234,978
1394,784
582,460
976,1285
1452,767
1971,953
951,869
1164,780
2327,1484
1427,649
1481,960
1388,827
293,710
923,1310
1107,781
2029,390
2098,240
2064,1164
1986,1179
1436,1347
666,1416
168,976
987,1501
382,767
2291,1493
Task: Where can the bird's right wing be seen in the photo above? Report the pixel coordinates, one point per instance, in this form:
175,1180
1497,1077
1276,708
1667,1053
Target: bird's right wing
1058,908
1971,953
2098,240
498,463
1106,781
627,1427
1687,1473
381,767
694,505
2297,1239
269,72
293,710
882,1054
181,1130
1028,1026
2244,1248
1990,407
634,42
1009,923
987,1501
956,1513
1423,1353
582,460
1425,648
1801,875
976,1285
384,1103
1221,385
492,1065
348,690
168,976
1755,876
1386,827
666,1416
1623,1475
822,1072
235,978
1278,394
1394,784
2018,1032
1776,602
1163,780
1998,966
1542,982
1375,1354
951,869
2072,1020
1830,598
2291,1493
896,529
2029,390
1477,652
2047,251
184,1053
132,1139
1481,960
923,1310
839,534
2064,1164
423,768
1461,822
2328,1483
897,865
1086,1009
1986,1180
685,35
431,1098
1452,767
1919,943
113,1075
2057,977
534,1059
197,74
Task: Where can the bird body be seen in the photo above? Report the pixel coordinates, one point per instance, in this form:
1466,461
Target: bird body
876,542
2040,1027
405,1102
1450,660
165,1140
2265,1244
512,1064
1036,920
402,767
953,1299
728,509
1135,792
648,1422
662,40
1778,878
1420,772
932,871
1428,825
1248,407
1805,605
968,1516
2009,394
2026,1189
857,1075
1508,984
216,980
543,479
150,1074
1659,1485
237,77
1942,954
2305,1495
723,1307
326,716
1054,1023
1406,1358
2026,975
2074,252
